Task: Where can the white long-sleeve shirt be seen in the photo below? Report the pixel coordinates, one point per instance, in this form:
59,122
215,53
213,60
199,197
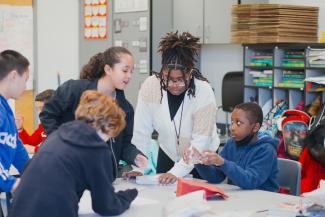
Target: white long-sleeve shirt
198,124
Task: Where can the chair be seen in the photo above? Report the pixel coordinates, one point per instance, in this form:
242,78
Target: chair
232,93
232,90
289,175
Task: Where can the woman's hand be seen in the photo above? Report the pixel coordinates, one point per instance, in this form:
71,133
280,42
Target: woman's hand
141,161
167,178
186,155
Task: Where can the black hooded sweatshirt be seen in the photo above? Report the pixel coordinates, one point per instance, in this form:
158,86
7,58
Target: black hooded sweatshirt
60,108
72,159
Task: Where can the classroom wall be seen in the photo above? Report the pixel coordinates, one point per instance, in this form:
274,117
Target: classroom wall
161,23
57,42
216,61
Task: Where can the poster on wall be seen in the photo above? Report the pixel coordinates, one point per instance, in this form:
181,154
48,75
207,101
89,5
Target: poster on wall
95,19
16,33
121,6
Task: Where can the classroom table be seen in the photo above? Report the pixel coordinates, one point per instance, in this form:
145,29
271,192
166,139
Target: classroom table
152,200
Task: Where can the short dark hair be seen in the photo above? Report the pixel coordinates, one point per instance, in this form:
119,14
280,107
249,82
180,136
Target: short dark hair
44,95
12,60
255,113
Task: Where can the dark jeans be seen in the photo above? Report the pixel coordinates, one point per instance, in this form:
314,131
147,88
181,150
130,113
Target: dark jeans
164,164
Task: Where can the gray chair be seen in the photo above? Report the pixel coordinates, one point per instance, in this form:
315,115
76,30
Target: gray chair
289,175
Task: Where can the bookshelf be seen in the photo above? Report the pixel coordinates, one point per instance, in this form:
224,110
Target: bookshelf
277,71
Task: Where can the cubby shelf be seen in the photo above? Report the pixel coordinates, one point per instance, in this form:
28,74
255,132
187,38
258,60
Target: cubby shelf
285,79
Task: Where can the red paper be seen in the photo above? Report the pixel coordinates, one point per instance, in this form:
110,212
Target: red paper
186,186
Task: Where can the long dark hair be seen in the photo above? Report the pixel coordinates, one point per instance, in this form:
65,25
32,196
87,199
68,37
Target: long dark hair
94,69
179,51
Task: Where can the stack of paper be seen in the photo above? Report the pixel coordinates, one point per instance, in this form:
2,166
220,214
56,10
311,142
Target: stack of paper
269,23
316,57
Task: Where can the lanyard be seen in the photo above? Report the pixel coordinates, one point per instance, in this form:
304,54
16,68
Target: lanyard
179,127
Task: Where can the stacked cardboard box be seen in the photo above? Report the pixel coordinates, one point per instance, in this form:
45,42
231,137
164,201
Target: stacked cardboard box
270,23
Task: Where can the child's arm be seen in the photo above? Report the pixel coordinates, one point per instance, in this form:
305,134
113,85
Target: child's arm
6,180
207,169
99,179
35,139
129,151
256,171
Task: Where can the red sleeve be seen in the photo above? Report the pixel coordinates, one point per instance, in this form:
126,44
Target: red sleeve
35,139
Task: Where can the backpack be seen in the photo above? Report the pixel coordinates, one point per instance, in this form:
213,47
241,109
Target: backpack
294,129
315,140
270,120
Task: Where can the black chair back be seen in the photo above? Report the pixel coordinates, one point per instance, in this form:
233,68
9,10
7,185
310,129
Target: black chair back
232,90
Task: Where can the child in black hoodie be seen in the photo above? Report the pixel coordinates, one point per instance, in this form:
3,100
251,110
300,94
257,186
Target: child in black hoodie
74,158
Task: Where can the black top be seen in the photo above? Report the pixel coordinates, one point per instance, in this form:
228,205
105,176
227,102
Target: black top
72,159
174,102
61,107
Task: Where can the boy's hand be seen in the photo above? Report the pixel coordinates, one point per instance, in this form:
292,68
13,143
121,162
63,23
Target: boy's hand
141,161
167,178
212,158
19,120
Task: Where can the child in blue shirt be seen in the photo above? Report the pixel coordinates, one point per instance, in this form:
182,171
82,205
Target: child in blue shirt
249,158
13,77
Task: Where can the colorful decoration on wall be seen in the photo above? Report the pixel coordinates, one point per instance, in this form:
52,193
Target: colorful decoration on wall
95,19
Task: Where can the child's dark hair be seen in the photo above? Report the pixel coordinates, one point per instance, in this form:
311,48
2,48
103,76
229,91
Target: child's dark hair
12,60
179,51
94,69
255,112
44,95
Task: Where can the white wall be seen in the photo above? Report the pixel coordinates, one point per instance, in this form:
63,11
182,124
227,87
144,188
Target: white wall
216,61
56,41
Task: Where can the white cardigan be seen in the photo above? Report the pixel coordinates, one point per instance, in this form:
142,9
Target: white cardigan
198,127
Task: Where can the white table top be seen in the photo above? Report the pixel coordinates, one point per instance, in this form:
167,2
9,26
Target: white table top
152,199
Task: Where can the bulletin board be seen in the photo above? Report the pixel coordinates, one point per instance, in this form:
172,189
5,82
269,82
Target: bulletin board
16,33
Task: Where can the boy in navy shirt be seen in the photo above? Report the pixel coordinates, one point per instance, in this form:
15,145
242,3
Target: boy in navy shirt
249,158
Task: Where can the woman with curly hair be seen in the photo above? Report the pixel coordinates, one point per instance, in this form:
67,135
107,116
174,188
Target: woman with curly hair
109,73
179,103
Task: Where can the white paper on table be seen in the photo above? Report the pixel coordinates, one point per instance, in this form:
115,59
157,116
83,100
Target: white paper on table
147,180
318,195
236,214
141,201
188,205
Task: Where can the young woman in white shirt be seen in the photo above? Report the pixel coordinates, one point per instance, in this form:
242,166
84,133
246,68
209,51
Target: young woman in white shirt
179,103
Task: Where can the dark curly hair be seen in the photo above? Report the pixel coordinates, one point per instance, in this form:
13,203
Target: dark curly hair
94,69
179,51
